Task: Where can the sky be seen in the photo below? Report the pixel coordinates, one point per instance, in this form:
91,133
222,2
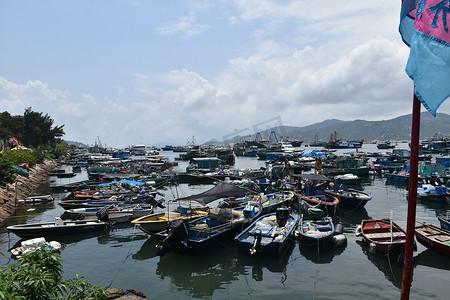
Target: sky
131,72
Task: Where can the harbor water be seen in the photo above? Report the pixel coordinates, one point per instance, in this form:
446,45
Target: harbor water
125,256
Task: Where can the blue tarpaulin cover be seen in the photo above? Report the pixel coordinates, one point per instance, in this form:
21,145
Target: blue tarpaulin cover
124,181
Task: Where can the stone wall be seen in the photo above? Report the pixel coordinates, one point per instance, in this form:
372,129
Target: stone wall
22,188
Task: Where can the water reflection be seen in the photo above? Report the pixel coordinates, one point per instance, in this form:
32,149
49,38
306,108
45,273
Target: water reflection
388,264
120,234
201,275
432,259
350,217
320,256
147,250
271,263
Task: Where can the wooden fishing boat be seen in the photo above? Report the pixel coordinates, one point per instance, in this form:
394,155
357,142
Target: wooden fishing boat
59,227
434,238
382,236
156,222
136,211
203,234
37,199
316,232
269,234
67,204
328,203
350,197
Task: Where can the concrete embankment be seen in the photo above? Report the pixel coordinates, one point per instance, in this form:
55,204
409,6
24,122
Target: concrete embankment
22,188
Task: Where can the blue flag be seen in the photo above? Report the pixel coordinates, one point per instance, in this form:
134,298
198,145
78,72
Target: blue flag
424,27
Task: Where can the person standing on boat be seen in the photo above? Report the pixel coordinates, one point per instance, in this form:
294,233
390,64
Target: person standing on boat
317,165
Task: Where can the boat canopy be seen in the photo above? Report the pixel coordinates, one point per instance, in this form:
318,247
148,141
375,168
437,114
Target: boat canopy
312,177
221,190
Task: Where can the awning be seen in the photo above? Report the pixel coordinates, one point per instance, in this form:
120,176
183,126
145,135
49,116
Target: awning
221,190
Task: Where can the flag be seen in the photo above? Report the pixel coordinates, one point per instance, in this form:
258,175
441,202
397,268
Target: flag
424,27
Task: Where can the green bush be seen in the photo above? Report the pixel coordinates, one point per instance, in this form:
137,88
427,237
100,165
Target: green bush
6,170
38,275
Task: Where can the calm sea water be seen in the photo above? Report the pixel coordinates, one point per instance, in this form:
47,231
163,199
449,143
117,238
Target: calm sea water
125,257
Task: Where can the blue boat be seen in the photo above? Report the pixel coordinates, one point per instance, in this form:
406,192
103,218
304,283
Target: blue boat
438,193
219,227
444,221
316,232
269,234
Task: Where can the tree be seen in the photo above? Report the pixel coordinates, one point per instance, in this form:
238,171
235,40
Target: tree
39,130
11,126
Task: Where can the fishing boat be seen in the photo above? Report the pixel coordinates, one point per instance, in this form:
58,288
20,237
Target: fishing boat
58,227
269,202
136,211
156,222
349,197
382,236
385,145
131,212
36,199
327,203
71,204
269,234
444,221
434,238
202,235
316,231
347,178
438,194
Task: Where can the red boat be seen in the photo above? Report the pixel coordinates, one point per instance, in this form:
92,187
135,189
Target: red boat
383,236
434,238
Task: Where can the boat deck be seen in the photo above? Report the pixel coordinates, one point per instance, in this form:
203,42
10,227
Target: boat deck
385,235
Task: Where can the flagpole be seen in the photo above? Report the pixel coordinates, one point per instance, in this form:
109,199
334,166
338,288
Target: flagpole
412,199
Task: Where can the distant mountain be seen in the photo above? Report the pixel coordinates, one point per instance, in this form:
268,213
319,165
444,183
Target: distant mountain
397,129
77,144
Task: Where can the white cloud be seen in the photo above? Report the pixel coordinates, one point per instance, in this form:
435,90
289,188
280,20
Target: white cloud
187,26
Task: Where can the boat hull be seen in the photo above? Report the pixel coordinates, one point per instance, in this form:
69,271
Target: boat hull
434,238
52,229
351,198
378,236
316,232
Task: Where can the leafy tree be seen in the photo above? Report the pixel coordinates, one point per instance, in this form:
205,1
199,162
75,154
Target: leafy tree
38,275
11,126
39,130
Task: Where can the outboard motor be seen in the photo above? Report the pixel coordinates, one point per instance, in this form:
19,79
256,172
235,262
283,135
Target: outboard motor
151,200
103,214
256,242
282,216
177,231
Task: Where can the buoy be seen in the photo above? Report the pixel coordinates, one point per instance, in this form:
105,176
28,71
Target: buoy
339,240
358,230
339,229
372,248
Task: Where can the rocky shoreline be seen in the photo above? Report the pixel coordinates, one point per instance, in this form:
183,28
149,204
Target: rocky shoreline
23,187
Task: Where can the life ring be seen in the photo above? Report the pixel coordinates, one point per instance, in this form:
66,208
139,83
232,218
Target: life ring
116,209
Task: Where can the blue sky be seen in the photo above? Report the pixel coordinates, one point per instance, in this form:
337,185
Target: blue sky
161,72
